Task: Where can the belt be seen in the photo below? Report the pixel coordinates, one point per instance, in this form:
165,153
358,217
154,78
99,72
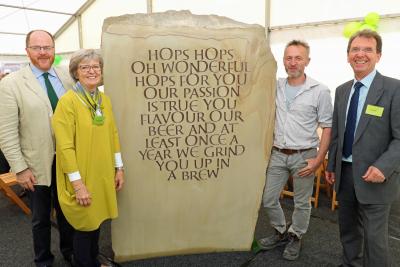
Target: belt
290,151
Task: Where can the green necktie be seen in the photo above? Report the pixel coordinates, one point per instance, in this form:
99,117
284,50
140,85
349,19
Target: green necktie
50,91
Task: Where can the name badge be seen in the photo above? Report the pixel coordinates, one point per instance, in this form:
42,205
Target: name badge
98,120
374,110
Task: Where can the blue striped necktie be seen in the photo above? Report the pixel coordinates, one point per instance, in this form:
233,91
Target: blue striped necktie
351,121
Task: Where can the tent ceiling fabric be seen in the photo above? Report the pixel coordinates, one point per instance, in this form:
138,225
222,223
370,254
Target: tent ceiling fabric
18,17
319,22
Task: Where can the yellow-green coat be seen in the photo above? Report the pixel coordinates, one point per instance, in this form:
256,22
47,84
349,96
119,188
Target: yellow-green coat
89,148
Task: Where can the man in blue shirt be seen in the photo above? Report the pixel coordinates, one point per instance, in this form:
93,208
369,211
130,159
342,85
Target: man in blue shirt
27,101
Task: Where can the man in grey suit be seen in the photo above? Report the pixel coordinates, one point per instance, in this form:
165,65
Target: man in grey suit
364,155
28,98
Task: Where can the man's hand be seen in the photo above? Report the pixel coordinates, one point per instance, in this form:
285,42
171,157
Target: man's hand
26,179
312,166
119,179
330,177
373,175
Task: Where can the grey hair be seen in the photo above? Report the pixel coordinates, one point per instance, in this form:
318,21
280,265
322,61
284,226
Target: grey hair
299,43
81,55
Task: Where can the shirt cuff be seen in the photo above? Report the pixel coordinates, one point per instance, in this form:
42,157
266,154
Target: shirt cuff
325,125
74,176
118,160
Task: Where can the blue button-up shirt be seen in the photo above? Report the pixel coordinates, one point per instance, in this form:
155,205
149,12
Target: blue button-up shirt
54,80
366,81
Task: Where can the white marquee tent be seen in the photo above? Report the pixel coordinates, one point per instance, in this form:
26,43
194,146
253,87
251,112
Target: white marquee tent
77,24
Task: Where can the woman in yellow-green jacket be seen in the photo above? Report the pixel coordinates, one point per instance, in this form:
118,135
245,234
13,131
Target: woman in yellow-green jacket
89,163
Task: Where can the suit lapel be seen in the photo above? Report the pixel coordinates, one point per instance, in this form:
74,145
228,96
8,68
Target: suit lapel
343,106
62,77
374,94
32,84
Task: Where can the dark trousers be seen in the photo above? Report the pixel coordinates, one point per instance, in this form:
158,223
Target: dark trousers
363,227
4,167
86,248
394,219
42,200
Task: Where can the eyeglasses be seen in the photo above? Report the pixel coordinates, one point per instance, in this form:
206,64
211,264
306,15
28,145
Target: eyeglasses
367,50
87,68
37,48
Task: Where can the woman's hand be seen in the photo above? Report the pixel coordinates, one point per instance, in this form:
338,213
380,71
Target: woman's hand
82,195
119,179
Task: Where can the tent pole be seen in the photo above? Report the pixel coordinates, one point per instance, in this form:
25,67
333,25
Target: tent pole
80,35
71,20
149,6
329,22
267,19
35,9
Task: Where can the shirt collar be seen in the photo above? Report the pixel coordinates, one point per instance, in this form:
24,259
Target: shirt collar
367,80
38,72
308,84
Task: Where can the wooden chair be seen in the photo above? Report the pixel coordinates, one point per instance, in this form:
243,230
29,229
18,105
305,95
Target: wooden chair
318,174
6,181
335,203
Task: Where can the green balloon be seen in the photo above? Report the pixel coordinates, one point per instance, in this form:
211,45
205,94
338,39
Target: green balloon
372,19
367,27
57,60
351,28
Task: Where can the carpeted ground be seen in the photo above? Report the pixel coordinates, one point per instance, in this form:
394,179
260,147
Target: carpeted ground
321,246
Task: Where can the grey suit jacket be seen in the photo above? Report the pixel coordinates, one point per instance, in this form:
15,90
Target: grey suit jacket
376,141
26,136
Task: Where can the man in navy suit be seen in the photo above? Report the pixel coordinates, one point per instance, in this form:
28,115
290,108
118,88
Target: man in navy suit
364,155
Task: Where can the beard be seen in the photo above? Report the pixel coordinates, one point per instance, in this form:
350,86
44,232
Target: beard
294,74
43,62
